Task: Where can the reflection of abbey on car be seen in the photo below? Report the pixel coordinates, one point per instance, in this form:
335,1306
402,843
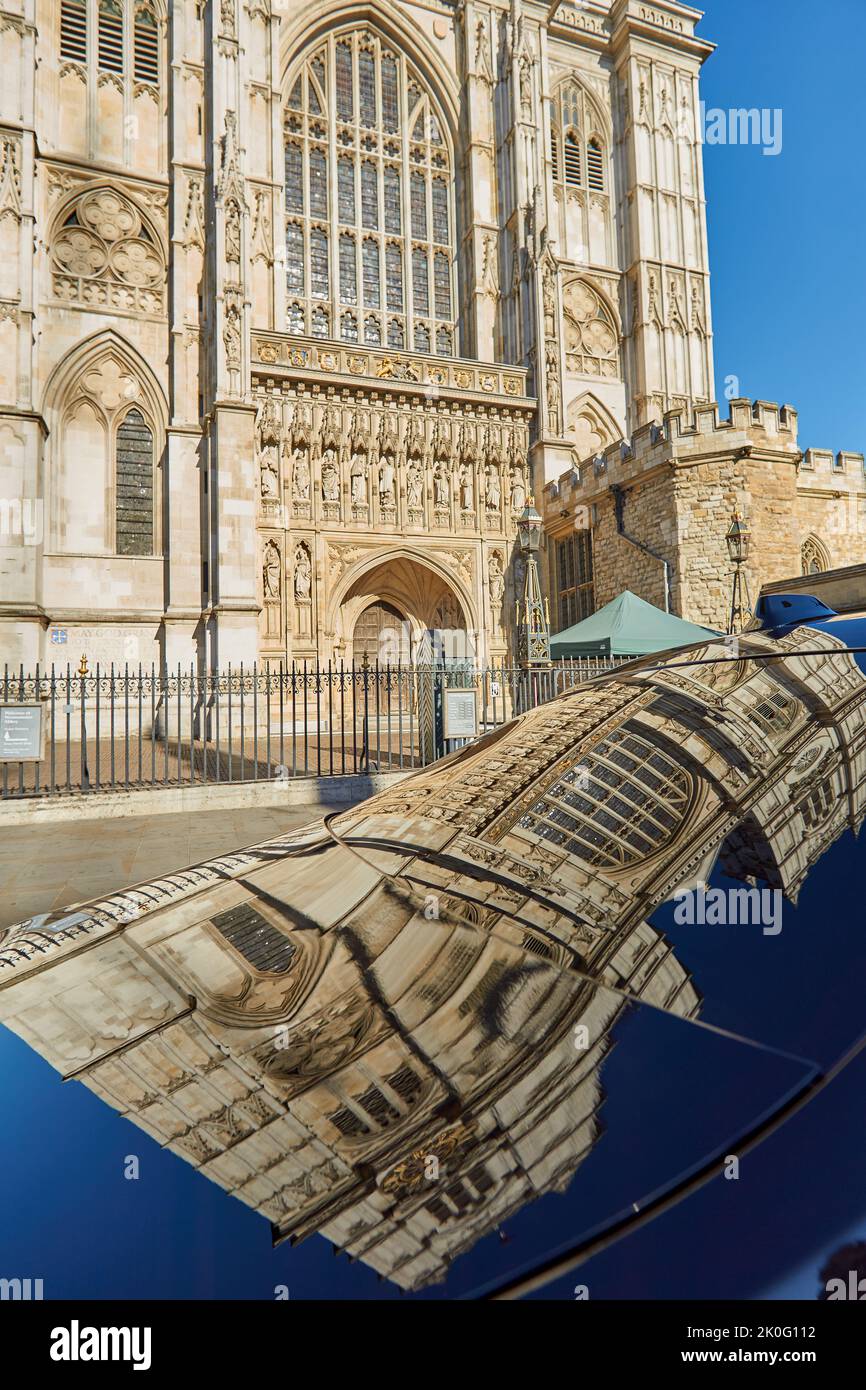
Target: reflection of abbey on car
299,1023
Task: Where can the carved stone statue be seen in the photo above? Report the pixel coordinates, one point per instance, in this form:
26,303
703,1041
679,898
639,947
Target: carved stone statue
518,489
467,488
358,475
269,474
441,485
496,580
303,574
387,480
493,488
552,387
301,475
233,231
271,569
415,486
330,475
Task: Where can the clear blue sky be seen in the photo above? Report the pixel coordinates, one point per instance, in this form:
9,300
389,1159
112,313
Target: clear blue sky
787,233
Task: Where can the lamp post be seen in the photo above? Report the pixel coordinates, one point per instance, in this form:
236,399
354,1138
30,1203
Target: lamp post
533,616
738,539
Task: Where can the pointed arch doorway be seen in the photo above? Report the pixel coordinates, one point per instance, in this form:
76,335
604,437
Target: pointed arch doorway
401,610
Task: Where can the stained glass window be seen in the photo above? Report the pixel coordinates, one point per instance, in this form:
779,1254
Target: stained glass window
420,283
319,263
393,218
394,276
442,285
364,124
419,205
294,179
318,184
348,273
441,230
346,190
294,258
390,96
369,195
372,297
367,86
345,101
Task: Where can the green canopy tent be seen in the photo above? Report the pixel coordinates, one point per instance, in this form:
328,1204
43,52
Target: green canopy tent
628,626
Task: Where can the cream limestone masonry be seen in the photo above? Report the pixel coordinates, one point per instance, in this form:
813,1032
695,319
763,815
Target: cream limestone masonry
300,302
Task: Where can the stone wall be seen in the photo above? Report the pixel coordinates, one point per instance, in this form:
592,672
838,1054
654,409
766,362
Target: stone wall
680,484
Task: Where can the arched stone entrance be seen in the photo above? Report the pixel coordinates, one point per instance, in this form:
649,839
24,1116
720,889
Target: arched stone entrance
390,611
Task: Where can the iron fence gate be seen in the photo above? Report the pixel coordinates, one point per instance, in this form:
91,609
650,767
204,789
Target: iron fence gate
117,729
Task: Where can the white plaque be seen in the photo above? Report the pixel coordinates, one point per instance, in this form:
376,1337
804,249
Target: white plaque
460,715
20,733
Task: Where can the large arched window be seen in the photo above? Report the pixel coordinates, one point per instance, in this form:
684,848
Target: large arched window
624,801
369,208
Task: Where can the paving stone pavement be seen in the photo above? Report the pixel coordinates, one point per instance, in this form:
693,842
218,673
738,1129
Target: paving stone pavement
68,862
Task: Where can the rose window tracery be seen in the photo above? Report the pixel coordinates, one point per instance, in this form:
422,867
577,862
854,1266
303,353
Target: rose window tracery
105,256
591,336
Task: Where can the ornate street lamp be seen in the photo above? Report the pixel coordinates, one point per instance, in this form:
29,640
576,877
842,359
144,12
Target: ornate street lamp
533,616
738,539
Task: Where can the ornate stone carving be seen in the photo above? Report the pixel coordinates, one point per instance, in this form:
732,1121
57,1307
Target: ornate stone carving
10,178
591,335
303,574
105,256
272,571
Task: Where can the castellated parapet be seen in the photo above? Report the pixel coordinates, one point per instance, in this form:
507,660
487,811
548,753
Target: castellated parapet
667,497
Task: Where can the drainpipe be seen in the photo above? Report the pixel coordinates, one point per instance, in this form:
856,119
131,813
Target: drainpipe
619,508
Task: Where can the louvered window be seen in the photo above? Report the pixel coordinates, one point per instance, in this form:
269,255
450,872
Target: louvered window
146,46
572,161
110,36
73,31
595,166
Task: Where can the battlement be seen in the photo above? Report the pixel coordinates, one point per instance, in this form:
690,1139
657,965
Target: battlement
681,437
822,468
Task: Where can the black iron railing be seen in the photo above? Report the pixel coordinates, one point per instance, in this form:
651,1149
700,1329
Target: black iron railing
116,729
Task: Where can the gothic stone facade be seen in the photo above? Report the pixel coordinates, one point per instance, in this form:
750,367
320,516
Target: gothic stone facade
299,302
